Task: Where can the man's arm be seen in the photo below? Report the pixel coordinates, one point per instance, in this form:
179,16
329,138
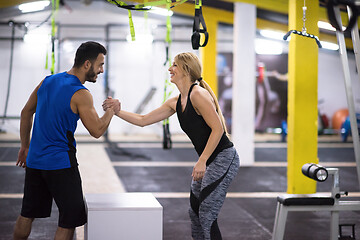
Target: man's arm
25,127
83,104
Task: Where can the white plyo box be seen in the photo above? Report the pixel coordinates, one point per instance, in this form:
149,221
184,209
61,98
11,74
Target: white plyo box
130,216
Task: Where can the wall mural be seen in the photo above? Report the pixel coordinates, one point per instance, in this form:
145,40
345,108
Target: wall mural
270,91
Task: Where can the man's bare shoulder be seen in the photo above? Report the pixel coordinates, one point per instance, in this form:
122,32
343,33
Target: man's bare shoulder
81,95
80,98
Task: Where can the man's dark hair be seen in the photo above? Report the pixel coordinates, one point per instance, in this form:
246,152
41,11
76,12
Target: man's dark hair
88,51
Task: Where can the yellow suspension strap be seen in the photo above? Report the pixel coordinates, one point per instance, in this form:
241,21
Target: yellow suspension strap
47,58
168,87
55,7
197,30
131,24
143,7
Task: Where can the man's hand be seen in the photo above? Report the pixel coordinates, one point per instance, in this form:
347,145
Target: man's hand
112,103
21,161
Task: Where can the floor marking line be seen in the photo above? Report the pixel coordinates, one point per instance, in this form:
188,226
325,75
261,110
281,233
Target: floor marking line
7,164
191,164
158,145
187,194
152,164
284,164
239,194
11,195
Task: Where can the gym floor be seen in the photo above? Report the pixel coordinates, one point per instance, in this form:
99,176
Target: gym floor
138,165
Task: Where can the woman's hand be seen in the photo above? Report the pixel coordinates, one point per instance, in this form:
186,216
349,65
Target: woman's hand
199,170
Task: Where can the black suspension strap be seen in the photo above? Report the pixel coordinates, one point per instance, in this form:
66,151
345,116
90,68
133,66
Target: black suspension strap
197,30
12,25
332,17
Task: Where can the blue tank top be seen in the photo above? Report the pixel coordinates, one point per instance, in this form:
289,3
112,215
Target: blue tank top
52,143
197,130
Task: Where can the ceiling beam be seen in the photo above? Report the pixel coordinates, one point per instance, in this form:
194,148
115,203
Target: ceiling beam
282,6
12,3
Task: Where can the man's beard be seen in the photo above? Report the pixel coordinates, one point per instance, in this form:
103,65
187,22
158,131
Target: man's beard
90,76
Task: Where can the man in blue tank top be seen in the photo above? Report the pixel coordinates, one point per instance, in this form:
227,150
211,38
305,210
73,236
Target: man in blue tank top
59,101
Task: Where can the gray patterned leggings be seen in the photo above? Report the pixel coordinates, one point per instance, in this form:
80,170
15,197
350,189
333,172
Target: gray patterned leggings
207,195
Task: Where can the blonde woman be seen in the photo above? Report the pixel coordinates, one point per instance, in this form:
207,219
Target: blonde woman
201,119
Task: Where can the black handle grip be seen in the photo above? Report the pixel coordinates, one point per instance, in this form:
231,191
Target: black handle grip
304,35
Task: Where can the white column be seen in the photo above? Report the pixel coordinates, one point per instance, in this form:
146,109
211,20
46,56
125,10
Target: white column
243,102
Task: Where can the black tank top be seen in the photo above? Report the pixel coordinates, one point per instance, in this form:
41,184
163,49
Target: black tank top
197,130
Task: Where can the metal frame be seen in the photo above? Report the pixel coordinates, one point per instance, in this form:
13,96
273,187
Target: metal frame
347,81
282,210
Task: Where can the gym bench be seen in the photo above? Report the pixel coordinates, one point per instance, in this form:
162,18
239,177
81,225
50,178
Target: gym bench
314,202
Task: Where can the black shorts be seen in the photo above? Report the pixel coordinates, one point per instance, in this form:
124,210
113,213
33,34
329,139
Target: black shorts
64,186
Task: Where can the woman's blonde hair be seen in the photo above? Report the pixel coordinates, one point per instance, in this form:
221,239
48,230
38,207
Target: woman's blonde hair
190,65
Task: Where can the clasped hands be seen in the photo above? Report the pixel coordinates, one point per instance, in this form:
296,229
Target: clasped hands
111,103
199,168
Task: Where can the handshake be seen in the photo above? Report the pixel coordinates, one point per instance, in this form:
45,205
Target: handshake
113,104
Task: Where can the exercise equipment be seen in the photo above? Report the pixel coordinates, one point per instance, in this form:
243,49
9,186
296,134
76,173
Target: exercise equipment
283,130
347,79
323,124
346,127
114,147
197,30
168,88
315,171
23,26
12,25
347,237
146,6
339,118
315,202
353,14
303,31
54,9
199,26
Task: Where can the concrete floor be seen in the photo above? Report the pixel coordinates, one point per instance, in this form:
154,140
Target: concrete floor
248,211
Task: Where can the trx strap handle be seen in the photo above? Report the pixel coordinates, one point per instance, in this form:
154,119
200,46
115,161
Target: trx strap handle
132,28
332,18
304,34
198,18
